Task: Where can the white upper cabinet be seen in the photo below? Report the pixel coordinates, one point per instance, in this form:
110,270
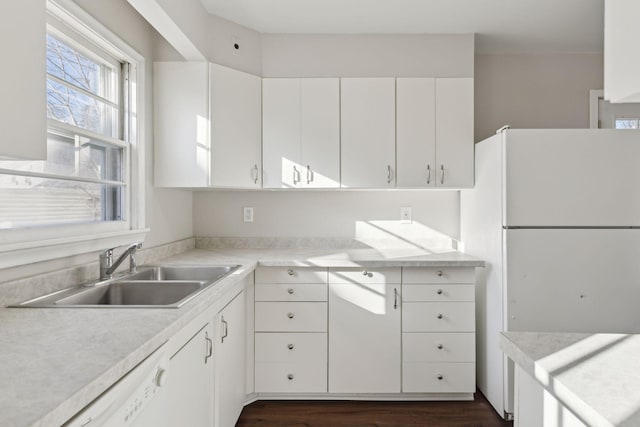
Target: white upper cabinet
454,132
435,132
621,56
236,131
368,132
207,126
23,114
416,132
301,134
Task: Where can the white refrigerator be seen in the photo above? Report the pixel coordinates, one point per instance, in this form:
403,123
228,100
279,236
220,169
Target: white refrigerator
556,216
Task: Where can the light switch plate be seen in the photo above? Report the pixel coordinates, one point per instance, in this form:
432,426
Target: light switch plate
248,214
405,215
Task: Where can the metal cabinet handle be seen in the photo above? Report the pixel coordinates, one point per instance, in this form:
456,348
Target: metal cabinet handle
440,316
290,272
395,298
388,174
290,346
290,377
226,329
367,273
290,315
428,174
440,377
254,173
209,347
296,175
440,346
442,172
291,291
439,273
439,292
310,174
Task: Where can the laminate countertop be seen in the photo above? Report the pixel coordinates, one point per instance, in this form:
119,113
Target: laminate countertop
596,376
55,361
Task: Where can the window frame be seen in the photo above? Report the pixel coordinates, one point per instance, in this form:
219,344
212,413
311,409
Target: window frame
42,243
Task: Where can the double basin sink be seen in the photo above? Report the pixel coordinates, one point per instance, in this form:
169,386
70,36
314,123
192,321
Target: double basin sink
151,287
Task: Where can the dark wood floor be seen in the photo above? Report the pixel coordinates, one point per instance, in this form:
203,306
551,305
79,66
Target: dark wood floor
477,413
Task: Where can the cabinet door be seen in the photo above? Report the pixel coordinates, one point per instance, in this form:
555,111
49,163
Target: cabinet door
368,129
364,338
281,137
23,114
190,383
230,361
416,132
236,128
181,117
454,132
320,133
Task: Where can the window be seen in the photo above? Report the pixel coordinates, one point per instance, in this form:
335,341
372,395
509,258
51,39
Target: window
627,123
85,178
89,193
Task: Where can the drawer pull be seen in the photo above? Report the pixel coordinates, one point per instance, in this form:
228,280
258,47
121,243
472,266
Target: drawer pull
290,346
290,377
440,377
367,273
291,291
439,292
440,316
439,273
440,346
290,315
290,272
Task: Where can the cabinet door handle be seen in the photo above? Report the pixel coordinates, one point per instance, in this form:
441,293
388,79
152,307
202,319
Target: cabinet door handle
290,346
440,316
291,315
254,173
440,346
439,292
442,176
367,273
209,347
290,272
440,377
439,273
428,174
290,377
395,298
296,175
310,174
388,174
290,291
226,329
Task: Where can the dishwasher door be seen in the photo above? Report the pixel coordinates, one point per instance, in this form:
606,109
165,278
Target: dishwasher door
136,400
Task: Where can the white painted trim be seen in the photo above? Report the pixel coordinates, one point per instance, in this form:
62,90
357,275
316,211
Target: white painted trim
15,254
594,97
164,24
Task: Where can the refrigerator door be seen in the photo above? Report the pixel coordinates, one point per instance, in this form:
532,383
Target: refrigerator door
573,280
567,177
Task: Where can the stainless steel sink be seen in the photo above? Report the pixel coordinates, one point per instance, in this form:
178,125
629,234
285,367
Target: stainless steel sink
154,287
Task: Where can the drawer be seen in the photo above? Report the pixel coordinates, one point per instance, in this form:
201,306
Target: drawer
291,292
364,275
291,317
439,275
291,275
438,347
438,377
291,347
439,292
291,377
438,317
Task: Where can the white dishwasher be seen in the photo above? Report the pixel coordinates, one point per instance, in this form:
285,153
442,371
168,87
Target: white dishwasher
134,401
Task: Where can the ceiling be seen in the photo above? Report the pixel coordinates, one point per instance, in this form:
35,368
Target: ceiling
502,26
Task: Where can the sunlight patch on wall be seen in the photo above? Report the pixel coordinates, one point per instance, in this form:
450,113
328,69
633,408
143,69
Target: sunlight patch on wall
394,239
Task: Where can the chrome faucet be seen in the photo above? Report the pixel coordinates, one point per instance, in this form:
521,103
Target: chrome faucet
108,266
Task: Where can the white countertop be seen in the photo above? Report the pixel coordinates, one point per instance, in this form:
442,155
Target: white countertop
596,376
53,362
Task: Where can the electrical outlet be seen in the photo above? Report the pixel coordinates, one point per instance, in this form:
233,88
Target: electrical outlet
248,214
405,215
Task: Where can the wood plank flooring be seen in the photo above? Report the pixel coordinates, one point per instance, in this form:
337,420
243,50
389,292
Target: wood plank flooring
477,413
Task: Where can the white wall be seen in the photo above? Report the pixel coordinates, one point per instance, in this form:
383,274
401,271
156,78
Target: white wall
534,91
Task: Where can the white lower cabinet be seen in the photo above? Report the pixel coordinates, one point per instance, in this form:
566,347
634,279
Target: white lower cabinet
190,382
364,332
230,362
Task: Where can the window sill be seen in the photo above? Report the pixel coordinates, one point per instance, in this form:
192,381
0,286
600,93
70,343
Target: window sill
16,254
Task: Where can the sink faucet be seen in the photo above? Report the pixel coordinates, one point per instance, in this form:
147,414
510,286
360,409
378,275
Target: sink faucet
108,266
